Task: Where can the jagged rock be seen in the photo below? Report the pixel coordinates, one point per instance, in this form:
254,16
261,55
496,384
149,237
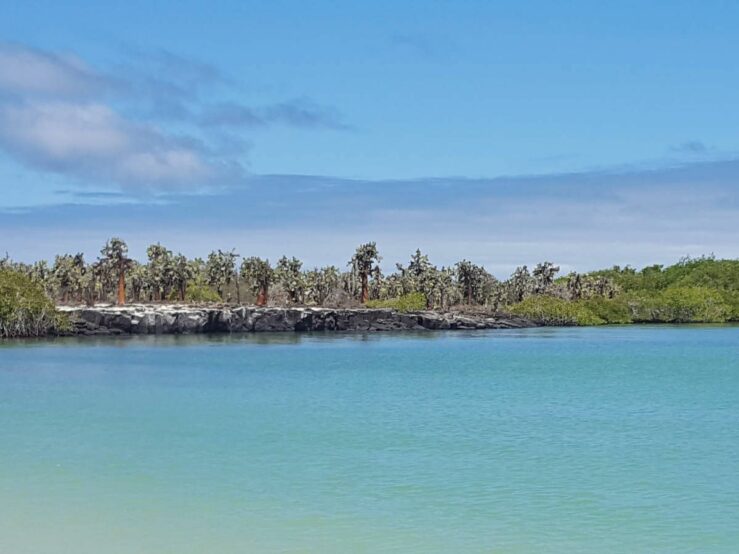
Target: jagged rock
182,319
191,323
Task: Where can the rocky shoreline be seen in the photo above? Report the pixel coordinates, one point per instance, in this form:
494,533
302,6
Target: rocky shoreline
141,319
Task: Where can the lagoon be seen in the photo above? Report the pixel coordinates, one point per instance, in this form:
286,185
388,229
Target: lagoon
606,439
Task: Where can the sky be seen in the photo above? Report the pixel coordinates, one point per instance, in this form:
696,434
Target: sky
509,132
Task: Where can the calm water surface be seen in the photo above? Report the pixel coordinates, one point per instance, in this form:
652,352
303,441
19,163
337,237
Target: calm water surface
545,440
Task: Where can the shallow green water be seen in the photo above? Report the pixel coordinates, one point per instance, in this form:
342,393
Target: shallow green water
545,440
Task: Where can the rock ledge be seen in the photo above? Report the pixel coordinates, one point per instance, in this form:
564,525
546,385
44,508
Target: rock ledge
141,319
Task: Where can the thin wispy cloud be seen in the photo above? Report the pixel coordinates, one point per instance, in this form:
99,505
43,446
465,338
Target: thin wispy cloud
691,147
424,46
164,86
299,112
30,71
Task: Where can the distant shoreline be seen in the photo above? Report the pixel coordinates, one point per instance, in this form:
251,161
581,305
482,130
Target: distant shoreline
109,320
173,294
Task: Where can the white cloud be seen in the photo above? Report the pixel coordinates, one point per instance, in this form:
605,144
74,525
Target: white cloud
59,132
146,127
93,142
55,115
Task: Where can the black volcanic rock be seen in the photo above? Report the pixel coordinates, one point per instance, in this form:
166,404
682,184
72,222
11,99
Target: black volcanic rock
140,319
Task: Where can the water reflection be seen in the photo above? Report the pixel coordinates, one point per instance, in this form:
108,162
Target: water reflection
624,332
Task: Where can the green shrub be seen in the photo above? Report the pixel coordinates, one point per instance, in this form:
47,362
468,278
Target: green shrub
555,311
679,305
731,300
412,302
719,275
611,310
25,310
201,293
696,304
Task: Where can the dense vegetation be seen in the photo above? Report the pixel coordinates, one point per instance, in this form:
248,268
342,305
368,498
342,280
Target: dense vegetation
413,302
693,290
697,290
25,310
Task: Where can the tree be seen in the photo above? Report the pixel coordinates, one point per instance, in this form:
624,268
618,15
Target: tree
592,286
395,285
79,268
197,268
423,277
258,275
182,272
320,283
520,285
289,275
116,260
419,264
138,279
429,284
604,287
221,271
468,277
67,274
418,276
491,291
363,263
575,286
477,285
41,273
160,271
92,281
544,274
25,309
448,291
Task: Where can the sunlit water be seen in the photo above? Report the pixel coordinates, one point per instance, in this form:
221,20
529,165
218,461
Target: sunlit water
545,440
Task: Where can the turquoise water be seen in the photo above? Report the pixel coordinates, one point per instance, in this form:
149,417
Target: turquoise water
543,440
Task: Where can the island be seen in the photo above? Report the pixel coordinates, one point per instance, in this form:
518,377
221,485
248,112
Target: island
169,293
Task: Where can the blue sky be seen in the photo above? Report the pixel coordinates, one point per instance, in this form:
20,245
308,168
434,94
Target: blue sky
504,132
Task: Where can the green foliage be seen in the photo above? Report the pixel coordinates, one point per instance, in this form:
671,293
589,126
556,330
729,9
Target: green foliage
221,270
673,305
544,275
160,270
476,285
365,258
556,311
679,305
696,304
25,311
364,263
695,272
693,290
413,302
183,272
289,274
731,300
257,273
201,293
580,287
438,285
611,310
321,282
520,285
116,263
